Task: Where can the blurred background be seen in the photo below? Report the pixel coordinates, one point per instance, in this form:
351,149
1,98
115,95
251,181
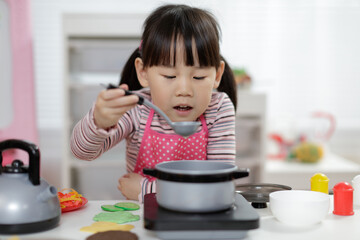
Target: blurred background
299,81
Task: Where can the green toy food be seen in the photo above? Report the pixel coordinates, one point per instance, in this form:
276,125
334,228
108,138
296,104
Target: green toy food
127,206
116,217
111,208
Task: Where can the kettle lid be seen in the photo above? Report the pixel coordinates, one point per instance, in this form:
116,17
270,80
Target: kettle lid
17,166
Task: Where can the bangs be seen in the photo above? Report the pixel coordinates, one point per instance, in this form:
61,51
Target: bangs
162,39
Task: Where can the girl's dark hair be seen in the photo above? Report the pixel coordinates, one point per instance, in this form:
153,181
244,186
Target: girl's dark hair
163,28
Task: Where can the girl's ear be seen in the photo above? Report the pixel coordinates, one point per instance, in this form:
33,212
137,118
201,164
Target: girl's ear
219,73
141,72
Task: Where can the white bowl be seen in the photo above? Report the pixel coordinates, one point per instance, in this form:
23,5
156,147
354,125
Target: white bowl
299,207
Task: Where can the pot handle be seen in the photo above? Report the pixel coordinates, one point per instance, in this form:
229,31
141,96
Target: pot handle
240,173
150,171
34,156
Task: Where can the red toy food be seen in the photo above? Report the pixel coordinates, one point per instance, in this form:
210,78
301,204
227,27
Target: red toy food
71,200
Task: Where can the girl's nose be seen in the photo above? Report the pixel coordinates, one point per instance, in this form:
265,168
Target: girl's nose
184,87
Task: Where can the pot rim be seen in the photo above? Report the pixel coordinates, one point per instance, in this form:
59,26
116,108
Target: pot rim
170,167
173,177
213,171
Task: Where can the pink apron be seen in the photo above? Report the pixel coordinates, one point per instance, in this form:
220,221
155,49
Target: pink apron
159,147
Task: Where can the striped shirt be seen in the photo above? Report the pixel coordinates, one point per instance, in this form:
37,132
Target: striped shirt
88,141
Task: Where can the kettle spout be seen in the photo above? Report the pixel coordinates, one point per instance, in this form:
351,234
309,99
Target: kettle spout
48,193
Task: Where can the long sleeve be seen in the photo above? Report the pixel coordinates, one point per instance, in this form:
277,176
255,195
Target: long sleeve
221,125
147,186
88,141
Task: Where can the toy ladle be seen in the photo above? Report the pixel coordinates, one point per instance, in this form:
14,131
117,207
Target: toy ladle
184,129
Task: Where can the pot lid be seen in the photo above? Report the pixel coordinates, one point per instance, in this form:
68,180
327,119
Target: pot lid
196,171
196,167
258,193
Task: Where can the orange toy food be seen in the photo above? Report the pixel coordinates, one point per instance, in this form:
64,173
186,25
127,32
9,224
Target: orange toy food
71,200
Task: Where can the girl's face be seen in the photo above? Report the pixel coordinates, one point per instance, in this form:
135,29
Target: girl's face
182,92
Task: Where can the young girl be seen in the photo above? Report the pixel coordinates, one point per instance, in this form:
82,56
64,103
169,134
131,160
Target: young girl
177,66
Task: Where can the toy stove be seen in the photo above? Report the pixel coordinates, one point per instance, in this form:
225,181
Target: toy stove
232,223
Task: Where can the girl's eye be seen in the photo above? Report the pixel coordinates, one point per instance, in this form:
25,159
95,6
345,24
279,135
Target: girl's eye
169,77
199,78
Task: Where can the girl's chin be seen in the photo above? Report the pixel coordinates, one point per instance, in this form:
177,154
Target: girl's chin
181,115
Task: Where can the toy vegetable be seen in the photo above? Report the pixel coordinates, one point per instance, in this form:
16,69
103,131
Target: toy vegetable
71,200
307,152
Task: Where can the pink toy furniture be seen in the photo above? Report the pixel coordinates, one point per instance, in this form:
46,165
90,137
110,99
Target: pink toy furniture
18,111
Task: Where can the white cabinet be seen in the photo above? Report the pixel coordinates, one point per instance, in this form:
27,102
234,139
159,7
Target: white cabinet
251,134
95,50
96,47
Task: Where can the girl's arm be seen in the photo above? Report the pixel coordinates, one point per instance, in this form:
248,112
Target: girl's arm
134,186
105,125
88,141
221,125
147,186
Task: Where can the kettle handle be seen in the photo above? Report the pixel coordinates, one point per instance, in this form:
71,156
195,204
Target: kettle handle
34,156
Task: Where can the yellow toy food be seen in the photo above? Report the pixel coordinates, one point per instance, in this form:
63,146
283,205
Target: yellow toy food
307,152
106,226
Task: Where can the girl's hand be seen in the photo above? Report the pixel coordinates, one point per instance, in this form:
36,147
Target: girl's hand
111,104
129,185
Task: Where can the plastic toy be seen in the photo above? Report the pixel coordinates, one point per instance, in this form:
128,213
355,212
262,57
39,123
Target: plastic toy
70,201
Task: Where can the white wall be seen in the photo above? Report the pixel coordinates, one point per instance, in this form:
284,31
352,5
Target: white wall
304,54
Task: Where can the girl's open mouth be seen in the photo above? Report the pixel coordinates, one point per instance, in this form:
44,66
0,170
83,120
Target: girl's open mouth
182,108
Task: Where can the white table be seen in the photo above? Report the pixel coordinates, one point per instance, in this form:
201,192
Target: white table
297,175
71,222
333,227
